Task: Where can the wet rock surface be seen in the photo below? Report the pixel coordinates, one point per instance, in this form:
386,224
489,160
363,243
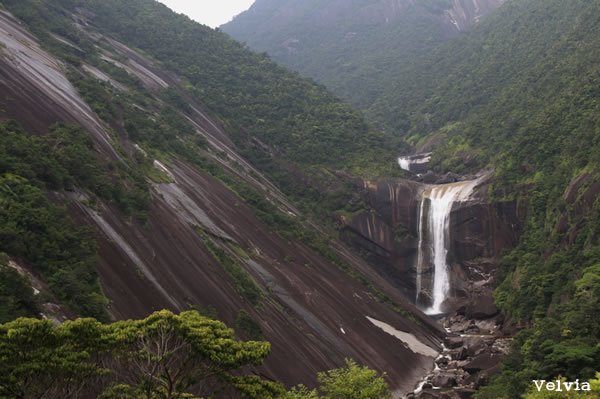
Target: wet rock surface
386,233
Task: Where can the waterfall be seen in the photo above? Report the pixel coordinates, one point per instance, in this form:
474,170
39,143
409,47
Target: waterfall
404,163
415,163
434,238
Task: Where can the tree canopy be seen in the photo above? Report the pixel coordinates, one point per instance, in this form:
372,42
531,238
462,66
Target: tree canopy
164,356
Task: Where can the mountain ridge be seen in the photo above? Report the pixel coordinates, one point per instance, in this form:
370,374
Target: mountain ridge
332,41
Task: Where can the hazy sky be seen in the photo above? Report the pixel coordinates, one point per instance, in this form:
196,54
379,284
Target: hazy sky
209,12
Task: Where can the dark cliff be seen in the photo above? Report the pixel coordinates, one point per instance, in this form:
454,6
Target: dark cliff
481,230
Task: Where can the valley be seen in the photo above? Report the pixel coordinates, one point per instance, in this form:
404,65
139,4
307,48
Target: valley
183,217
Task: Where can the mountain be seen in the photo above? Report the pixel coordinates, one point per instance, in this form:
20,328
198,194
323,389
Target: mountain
148,162
130,139
355,48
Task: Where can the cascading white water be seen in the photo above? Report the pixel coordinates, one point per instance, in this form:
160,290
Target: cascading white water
407,162
404,163
420,254
434,237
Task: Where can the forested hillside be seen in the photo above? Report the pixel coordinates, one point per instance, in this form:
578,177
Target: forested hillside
519,94
355,48
252,95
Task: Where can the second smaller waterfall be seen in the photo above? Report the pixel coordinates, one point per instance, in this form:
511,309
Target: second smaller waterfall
434,238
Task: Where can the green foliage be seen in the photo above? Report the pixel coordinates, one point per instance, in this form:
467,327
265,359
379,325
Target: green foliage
343,44
145,120
349,382
33,229
40,360
512,83
45,23
253,96
301,392
255,387
353,382
245,324
16,294
263,106
165,355
401,233
519,94
239,251
66,159
555,289
162,356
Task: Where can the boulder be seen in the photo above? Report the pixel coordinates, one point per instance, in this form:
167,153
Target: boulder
459,354
459,327
444,380
465,393
424,299
442,361
429,177
472,328
485,361
482,307
447,178
477,348
453,342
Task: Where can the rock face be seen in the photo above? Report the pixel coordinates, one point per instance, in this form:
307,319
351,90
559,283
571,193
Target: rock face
479,230
465,13
387,233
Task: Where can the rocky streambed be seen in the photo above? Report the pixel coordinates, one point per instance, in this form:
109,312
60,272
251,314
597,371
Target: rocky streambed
472,353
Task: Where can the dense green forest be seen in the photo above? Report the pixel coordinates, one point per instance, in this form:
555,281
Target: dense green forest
333,41
279,121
